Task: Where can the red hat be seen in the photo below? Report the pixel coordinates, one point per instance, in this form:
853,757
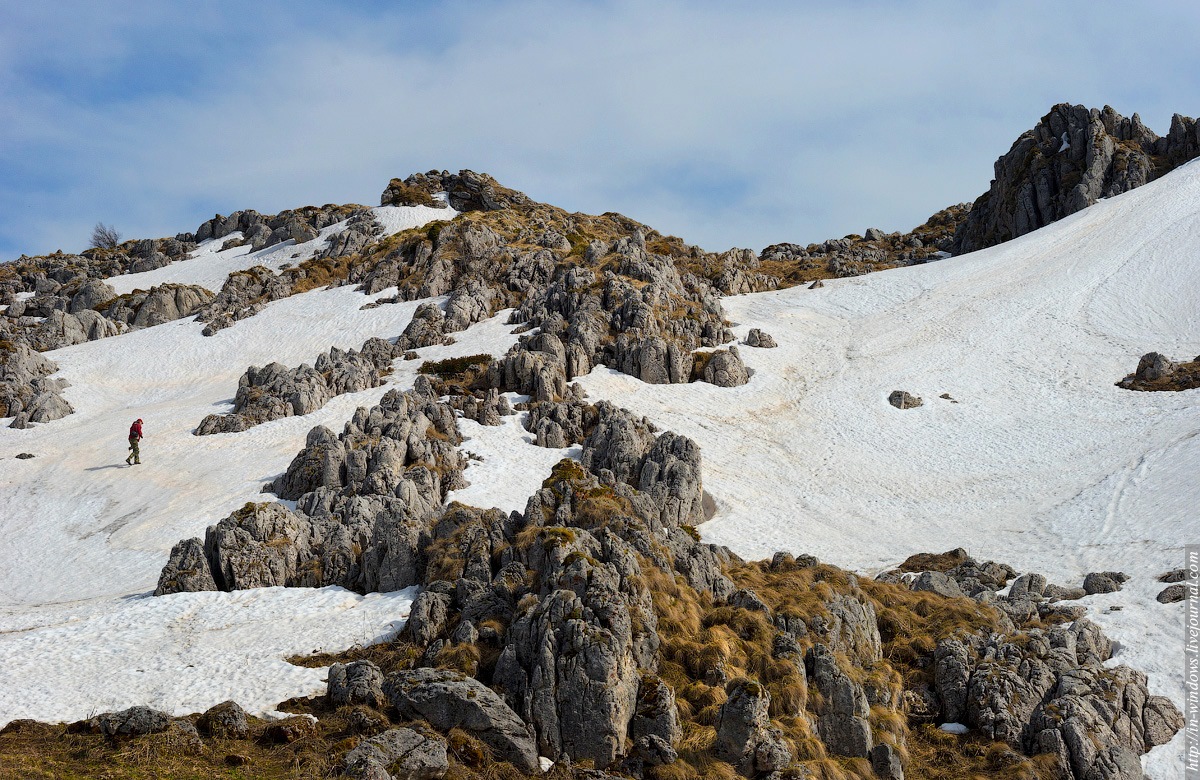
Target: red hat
139,419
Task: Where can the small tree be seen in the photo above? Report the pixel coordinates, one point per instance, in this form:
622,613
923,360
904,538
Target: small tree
105,236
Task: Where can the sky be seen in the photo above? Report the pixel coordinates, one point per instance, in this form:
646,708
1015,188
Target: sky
728,124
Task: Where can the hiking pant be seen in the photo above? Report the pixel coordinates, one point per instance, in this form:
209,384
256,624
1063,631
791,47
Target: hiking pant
136,455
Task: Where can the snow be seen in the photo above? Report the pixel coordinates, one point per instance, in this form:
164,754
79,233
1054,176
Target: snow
954,728
1064,142
108,528
1042,463
511,468
208,266
185,652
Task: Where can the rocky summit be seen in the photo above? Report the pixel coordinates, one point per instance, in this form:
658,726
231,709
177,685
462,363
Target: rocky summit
588,630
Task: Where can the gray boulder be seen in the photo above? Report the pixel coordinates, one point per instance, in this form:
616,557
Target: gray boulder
1104,582
726,369
358,682
758,338
885,761
171,302
904,400
226,720
93,293
187,570
842,715
134,721
745,736
1172,594
451,700
939,583
399,754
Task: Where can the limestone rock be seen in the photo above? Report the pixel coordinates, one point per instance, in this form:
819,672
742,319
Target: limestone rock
402,754
758,338
1104,582
450,700
726,369
842,717
1172,594
903,400
745,736
187,570
359,682
226,720
133,722
1073,157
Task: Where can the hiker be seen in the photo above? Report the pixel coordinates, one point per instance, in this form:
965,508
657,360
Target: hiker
135,436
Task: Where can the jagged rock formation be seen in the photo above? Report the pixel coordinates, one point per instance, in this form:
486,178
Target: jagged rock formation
1051,694
164,303
600,289
594,626
1158,372
27,392
264,230
363,500
1073,157
275,391
854,255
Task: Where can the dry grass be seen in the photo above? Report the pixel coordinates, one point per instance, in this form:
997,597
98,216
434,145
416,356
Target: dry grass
51,751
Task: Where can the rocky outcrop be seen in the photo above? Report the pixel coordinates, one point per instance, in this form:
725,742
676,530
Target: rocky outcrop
1158,372
1051,693
363,500
264,230
1104,582
360,682
724,368
62,314
275,391
27,391
745,736
1073,157
132,722
464,191
842,714
362,229
447,700
226,720
165,303
853,255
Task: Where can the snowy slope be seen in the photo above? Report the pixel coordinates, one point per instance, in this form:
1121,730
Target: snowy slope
1041,463
84,536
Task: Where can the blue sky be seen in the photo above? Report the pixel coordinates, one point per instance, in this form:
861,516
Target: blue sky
729,124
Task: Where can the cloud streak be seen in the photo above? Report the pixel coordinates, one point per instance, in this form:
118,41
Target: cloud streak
726,125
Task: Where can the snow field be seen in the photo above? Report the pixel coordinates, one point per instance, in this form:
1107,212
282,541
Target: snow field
1039,461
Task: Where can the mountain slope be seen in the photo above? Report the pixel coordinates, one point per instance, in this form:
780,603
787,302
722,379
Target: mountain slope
807,456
